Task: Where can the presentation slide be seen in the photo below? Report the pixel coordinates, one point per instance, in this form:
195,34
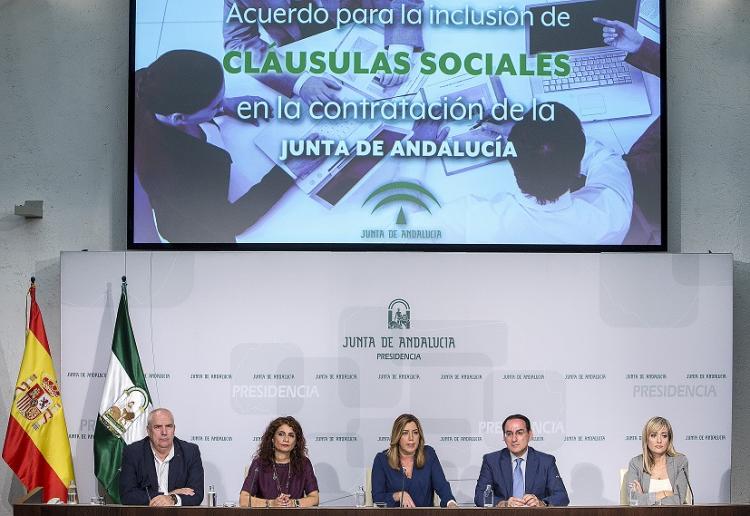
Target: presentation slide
408,124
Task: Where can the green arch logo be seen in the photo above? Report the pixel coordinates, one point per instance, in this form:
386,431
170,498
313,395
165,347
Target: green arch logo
403,192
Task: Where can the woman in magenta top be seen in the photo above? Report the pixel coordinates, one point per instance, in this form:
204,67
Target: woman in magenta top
281,475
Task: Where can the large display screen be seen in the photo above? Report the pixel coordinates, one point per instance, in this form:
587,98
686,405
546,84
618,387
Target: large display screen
397,124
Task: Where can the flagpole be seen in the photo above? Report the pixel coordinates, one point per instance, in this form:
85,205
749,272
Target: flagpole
125,260
26,312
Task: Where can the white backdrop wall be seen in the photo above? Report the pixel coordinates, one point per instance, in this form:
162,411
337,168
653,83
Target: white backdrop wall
588,346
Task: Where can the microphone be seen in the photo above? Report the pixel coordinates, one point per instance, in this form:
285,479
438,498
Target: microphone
403,486
336,499
252,481
690,488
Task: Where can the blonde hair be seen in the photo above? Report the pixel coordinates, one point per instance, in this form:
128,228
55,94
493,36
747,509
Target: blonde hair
394,457
653,425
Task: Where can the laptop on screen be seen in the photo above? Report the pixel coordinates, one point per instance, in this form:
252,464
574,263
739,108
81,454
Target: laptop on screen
336,177
601,85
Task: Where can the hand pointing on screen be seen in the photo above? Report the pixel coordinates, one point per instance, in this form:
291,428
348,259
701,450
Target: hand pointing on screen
620,35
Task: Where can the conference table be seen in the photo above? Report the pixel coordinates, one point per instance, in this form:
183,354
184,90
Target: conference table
122,510
29,506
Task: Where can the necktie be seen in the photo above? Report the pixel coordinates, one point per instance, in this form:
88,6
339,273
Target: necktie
518,487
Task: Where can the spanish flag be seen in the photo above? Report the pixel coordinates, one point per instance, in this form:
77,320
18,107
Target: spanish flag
36,444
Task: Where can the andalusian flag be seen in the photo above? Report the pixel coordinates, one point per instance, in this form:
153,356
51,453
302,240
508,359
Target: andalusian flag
125,400
36,444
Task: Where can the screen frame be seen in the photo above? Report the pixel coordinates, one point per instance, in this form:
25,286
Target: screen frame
369,247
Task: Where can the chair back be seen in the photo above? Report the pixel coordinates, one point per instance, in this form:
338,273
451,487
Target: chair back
368,487
624,498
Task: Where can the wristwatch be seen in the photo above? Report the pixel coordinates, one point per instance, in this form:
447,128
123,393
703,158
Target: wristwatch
174,498
296,502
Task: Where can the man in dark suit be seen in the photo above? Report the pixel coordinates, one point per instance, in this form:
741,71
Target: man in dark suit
160,469
519,475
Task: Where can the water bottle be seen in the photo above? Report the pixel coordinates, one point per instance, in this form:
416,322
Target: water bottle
489,496
359,497
211,496
632,495
72,493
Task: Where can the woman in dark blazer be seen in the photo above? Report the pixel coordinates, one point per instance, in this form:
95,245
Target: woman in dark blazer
408,473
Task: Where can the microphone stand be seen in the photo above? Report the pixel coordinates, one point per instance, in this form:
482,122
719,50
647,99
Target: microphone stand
250,489
403,486
690,488
336,499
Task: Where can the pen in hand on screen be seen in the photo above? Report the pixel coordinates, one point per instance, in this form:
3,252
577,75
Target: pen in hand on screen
479,122
495,126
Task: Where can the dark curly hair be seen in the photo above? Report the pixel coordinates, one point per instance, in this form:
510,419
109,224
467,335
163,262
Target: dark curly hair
265,451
